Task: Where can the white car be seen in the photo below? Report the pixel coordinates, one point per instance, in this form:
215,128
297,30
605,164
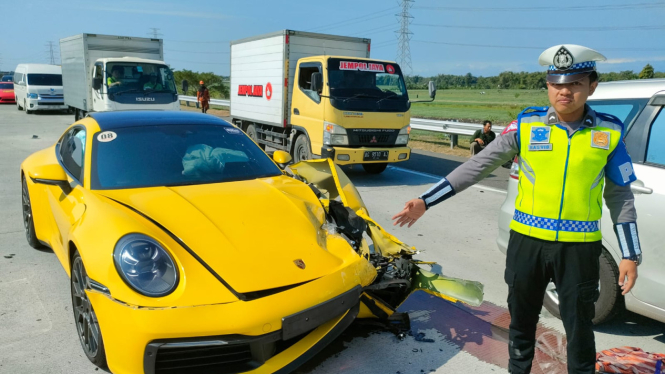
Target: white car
640,104
38,87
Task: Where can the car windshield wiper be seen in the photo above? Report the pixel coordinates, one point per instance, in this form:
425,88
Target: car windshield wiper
128,91
360,95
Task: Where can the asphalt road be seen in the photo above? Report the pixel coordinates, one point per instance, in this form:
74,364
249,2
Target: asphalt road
37,334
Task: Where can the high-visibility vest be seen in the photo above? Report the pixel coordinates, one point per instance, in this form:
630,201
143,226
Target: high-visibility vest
561,177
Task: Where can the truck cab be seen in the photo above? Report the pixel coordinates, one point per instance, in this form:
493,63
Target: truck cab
353,110
132,83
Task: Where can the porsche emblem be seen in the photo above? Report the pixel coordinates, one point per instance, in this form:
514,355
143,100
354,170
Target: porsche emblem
299,263
600,139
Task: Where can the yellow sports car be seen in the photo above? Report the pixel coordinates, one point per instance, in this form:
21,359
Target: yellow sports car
190,250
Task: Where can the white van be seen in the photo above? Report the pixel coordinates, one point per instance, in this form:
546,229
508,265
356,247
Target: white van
38,87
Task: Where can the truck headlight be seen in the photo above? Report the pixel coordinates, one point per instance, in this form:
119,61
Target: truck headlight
334,134
32,96
145,266
403,136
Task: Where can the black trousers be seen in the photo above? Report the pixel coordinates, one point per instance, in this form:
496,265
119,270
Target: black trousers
574,267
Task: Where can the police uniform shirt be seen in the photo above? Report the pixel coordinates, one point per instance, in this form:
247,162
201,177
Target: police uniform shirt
619,199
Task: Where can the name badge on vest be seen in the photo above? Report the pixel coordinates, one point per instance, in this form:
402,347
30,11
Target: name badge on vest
540,139
600,139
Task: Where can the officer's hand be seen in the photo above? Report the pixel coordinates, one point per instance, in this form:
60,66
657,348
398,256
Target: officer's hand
627,269
413,210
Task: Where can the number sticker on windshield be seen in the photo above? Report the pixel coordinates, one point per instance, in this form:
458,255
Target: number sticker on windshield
106,136
232,130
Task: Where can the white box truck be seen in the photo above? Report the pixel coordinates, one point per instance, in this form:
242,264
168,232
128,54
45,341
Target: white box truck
103,73
317,95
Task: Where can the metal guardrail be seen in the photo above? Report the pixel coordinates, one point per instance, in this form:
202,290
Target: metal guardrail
452,128
192,99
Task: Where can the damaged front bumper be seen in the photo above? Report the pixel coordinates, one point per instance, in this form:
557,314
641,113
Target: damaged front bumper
398,273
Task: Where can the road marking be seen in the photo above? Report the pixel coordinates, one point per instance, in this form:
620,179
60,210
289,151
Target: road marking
436,177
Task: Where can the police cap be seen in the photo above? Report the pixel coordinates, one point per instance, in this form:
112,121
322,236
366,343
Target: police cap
569,62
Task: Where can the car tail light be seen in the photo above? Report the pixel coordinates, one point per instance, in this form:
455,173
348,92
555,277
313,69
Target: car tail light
515,169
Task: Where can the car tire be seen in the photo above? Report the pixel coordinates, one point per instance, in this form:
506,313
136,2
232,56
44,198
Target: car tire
609,302
85,319
25,107
251,132
301,149
28,221
375,168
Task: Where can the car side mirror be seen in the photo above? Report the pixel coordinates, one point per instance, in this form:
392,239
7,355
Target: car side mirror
281,158
51,174
432,89
97,83
317,82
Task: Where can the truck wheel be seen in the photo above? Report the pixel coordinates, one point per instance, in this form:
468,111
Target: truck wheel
375,168
609,302
251,132
301,149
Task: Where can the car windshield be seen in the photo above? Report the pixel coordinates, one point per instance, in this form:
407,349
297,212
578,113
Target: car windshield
7,78
44,79
625,110
175,155
6,86
365,79
139,77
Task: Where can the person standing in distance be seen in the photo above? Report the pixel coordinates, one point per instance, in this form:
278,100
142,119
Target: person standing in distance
203,96
567,153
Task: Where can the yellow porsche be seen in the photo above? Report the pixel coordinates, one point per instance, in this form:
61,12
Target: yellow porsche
190,250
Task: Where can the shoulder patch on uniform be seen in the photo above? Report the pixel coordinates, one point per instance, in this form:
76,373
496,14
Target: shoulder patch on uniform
614,120
533,110
510,128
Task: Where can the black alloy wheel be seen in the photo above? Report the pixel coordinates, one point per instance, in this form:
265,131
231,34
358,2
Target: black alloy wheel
301,151
28,222
375,168
85,318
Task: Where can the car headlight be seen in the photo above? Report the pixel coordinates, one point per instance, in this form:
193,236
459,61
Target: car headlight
403,136
32,96
334,134
145,266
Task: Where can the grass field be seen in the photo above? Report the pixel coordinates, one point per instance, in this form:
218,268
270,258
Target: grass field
499,106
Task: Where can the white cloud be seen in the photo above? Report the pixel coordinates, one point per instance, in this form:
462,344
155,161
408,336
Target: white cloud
629,60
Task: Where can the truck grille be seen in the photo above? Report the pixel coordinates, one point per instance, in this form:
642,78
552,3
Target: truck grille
372,137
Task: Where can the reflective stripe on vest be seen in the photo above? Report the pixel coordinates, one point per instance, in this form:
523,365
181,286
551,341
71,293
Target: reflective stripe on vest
561,177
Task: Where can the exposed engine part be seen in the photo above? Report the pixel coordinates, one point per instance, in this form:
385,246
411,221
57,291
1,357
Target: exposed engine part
348,222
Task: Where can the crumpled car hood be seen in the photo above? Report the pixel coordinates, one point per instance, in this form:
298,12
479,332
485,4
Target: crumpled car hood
252,233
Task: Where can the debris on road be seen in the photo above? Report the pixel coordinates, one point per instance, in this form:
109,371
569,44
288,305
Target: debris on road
11,255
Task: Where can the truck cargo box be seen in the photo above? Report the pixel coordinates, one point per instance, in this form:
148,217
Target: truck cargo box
263,67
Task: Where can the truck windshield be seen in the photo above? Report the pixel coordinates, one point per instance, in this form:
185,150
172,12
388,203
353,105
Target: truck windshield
45,79
366,85
138,78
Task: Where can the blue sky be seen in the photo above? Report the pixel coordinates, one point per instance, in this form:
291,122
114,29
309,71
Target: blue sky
484,37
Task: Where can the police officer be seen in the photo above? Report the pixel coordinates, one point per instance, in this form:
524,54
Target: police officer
567,153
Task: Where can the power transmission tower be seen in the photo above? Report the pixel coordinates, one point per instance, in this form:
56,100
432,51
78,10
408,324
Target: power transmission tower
403,48
51,53
155,33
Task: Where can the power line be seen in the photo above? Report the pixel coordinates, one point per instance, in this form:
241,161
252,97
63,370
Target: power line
558,29
649,5
155,32
534,48
403,48
362,18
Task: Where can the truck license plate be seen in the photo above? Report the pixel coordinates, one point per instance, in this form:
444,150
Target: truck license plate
376,156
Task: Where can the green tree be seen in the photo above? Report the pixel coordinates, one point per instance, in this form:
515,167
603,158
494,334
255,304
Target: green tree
647,72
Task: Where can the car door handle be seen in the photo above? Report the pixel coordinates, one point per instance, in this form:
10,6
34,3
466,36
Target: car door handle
296,111
641,189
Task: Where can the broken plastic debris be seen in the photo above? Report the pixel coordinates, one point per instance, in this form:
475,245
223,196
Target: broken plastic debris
35,137
420,337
